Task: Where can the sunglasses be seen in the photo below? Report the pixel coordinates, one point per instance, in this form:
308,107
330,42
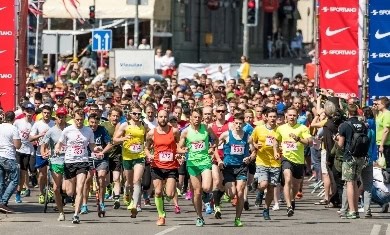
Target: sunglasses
221,111
61,116
136,114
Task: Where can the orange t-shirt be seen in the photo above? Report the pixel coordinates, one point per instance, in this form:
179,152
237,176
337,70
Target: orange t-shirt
165,150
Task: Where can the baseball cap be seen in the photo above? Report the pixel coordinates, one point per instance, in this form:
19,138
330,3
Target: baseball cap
90,101
61,111
126,87
152,81
28,105
82,95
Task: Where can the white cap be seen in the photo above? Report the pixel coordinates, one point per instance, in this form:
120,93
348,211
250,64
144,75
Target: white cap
126,87
152,81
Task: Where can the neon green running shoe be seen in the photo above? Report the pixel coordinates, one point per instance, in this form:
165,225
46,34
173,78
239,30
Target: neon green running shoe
41,199
237,222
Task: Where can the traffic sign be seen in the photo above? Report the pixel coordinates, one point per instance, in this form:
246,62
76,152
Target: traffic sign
102,40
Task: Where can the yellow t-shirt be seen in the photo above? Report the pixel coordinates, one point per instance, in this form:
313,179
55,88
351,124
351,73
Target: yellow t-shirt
265,155
292,151
258,123
133,148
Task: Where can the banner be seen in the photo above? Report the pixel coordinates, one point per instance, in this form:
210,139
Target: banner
379,48
339,46
7,54
187,70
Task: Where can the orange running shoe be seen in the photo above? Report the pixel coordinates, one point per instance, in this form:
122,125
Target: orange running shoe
299,195
160,221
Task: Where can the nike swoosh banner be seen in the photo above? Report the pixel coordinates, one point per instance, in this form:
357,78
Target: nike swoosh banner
7,54
379,49
339,46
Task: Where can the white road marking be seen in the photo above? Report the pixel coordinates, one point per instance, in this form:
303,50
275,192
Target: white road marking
376,229
168,230
388,229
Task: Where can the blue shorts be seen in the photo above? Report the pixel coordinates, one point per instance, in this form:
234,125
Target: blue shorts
234,173
40,162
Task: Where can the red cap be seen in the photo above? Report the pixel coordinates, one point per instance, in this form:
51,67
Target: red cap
61,111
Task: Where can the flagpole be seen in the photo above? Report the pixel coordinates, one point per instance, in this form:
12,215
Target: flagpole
365,83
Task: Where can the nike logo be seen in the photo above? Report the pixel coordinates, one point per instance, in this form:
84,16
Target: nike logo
329,75
330,33
381,35
381,79
2,51
2,8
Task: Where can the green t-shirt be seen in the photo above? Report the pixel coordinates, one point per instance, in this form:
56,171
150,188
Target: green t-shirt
197,143
382,121
116,149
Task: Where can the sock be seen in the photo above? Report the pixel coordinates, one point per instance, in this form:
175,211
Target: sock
217,197
136,194
160,206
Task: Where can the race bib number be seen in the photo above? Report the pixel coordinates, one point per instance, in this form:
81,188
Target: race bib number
165,156
237,149
78,150
199,146
135,148
290,146
269,141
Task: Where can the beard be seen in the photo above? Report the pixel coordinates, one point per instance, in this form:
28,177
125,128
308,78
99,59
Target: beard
163,123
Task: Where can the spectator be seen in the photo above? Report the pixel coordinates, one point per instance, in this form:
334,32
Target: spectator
383,128
168,64
244,70
130,44
157,61
144,45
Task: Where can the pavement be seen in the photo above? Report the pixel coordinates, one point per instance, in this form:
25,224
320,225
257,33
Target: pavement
308,219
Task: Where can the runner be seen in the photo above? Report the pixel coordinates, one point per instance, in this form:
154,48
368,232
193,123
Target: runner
37,133
195,139
76,139
236,150
115,154
219,126
132,135
103,140
49,141
24,155
293,137
162,140
267,167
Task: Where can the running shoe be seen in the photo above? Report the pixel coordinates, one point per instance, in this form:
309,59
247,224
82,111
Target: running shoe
217,212
160,221
208,209
266,214
147,202
107,196
117,204
126,200
75,219
199,222
299,195
5,209
61,217
246,205
368,214
18,198
41,199
276,207
27,193
351,215
139,209
226,198
102,207
177,210
189,195
259,199
178,191
84,209
133,210
290,211
237,222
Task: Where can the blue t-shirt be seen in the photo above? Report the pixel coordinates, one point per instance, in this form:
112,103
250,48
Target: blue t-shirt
372,151
248,128
234,151
302,119
102,138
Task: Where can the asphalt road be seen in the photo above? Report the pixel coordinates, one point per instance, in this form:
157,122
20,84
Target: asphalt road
308,219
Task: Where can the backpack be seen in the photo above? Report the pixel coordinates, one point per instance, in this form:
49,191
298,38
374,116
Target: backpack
360,142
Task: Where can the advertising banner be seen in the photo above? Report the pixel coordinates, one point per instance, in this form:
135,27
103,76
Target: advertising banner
379,48
7,54
339,47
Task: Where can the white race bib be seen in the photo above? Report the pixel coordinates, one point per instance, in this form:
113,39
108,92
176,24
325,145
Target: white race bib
136,148
237,149
78,150
165,156
57,160
290,146
269,141
198,146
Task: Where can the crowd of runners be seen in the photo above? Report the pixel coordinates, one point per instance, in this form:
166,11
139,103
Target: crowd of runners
205,139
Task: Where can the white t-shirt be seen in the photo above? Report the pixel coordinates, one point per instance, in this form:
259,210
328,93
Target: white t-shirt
144,47
157,62
76,141
8,134
24,129
150,125
167,62
38,128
